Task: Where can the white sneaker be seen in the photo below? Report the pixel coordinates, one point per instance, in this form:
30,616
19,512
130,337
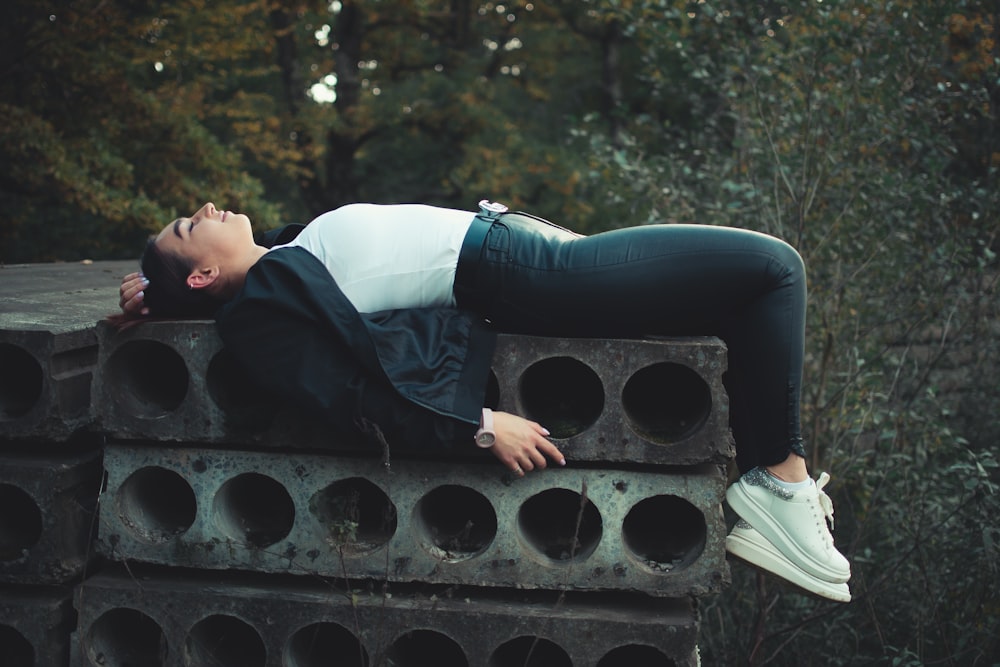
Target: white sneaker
747,544
792,522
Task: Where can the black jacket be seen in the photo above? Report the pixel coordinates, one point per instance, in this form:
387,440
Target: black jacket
419,374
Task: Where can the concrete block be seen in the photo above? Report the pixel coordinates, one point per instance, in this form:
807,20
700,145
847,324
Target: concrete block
173,381
661,533
45,384
35,626
648,401
48,347
48,505
643,401
59,297
175,618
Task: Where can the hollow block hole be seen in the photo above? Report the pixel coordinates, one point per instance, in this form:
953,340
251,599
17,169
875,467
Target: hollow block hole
20,382
531,652
235,394
636,655
414,648
20,522
125,638
16,650
666,402
254,509
457,522
358,516
324,644
150,379
563,394
224,641
664,533
156,504
561,525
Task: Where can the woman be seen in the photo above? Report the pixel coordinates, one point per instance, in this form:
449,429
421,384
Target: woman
383,317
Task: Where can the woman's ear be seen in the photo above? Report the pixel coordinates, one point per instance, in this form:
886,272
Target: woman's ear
202,278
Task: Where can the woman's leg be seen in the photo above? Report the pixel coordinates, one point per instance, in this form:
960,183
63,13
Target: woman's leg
747,288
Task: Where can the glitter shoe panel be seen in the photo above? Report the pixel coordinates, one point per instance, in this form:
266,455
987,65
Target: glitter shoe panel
761,477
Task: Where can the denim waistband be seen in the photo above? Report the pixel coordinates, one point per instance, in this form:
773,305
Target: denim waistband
468,262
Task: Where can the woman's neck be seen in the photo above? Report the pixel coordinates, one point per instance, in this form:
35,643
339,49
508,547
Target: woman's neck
237,273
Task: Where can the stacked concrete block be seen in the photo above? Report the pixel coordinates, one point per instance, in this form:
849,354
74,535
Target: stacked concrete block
35,625
50,465
651,402
235,532
48,346
173,381
583,529
47,519
45,383
205,475
240,621
622,401
49,481
48,505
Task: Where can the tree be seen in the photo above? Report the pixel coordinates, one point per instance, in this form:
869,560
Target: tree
864,133
103,143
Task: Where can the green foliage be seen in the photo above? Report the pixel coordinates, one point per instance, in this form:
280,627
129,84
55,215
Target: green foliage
840,133
99,148
865,133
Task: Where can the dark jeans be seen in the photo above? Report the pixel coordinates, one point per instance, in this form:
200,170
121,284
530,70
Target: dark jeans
747,288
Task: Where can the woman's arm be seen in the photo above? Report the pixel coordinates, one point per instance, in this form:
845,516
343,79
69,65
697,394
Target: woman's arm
308,366
316,374
416,376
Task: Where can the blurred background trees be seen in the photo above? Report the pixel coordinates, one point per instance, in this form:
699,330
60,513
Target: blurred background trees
865,133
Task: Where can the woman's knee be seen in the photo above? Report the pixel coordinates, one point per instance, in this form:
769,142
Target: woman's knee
787,260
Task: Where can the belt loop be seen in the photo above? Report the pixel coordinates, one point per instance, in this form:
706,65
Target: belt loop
466,271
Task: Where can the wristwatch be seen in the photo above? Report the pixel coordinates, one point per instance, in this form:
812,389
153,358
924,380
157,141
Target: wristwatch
486,436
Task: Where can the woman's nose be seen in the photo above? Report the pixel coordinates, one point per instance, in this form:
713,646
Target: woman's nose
207,210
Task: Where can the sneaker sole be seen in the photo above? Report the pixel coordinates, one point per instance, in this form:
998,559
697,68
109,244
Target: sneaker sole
750,511
751,547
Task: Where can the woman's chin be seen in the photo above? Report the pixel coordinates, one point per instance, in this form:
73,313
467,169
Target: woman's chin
237,219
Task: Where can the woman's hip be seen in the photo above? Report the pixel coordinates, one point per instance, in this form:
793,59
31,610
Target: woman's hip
619,282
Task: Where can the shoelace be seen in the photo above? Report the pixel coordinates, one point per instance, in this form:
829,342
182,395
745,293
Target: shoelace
824,500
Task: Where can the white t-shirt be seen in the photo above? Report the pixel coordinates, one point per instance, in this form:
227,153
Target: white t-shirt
389,256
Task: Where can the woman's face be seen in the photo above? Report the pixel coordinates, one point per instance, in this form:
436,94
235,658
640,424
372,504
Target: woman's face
208,237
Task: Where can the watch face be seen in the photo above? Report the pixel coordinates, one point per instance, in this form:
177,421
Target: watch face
486,439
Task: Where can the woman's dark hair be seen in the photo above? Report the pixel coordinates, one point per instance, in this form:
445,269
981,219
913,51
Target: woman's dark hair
168,294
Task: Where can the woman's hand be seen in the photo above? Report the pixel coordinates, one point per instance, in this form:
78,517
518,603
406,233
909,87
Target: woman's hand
131,295
522,445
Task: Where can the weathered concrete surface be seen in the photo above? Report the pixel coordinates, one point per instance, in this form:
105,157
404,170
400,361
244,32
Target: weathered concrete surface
661,533
659,402
48,348
493,553
624,401
45,384
35,625
59,298
48,507
171,618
